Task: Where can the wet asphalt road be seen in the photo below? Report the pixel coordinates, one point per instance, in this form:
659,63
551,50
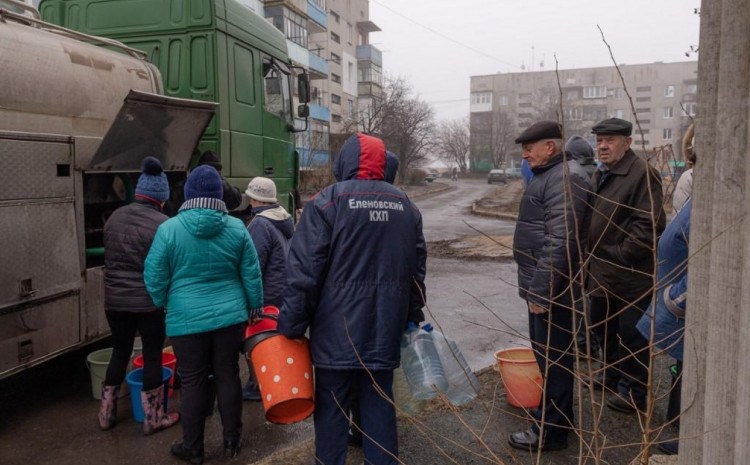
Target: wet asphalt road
47,414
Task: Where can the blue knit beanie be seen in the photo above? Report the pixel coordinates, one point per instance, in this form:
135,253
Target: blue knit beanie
153,182
204,182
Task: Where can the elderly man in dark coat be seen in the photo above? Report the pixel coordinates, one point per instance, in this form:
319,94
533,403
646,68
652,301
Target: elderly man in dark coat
550,232
626,222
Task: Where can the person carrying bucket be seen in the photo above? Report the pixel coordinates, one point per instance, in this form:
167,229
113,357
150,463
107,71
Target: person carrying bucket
271,229
204,269
551,229
128,234
355,275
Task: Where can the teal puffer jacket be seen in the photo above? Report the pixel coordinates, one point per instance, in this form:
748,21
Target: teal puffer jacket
202,266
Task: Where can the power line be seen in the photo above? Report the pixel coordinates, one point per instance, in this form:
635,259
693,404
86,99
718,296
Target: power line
445,36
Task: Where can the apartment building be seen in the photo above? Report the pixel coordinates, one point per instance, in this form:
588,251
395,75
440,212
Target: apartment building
330,38
663,96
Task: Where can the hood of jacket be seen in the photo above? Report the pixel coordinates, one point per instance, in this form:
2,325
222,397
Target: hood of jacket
279,218
203,222
579,149
361,157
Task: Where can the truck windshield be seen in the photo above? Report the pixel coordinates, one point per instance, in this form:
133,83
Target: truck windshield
276,89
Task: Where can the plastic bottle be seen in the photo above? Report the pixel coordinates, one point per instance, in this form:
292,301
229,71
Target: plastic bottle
421,363
463,385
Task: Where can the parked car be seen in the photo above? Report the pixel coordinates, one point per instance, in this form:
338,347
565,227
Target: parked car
431,176
496,176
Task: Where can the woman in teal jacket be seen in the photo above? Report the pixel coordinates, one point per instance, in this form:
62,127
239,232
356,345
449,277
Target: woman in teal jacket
203,268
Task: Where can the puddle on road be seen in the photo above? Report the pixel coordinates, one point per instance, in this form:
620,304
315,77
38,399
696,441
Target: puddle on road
496,248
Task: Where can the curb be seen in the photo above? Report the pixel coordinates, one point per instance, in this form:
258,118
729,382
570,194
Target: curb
476,210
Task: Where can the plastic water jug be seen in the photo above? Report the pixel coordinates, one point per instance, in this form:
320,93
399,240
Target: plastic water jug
463,385
421,363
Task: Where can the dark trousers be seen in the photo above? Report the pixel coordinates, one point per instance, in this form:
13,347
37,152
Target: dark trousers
625,349
150,325
197,354
332,404
556,364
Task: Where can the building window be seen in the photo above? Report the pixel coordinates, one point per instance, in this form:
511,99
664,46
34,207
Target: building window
335,58
335,38
335,16
336,118
320,4
574,114
667,134
594,112
481,97
336,78
524,96
350,33
594,91
691,89
643,110
369,72
643,99
669,91
524,105
689,108
643,89
336,99
617,114
571,95
618,94
502,100
293,26
668,112
350,103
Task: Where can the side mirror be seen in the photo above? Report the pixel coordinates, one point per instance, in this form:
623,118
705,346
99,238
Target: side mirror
303,111
303,88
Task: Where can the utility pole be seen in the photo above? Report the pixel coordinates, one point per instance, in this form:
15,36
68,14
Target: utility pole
716,387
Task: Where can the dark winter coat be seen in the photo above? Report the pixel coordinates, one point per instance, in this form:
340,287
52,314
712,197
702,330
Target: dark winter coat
356,266
551,229
621,236
271,229
128,234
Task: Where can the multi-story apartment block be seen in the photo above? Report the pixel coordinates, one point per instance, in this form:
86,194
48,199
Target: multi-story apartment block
330,38
502,105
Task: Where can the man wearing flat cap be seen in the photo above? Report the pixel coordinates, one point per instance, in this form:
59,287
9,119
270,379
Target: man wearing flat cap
627,219
550,231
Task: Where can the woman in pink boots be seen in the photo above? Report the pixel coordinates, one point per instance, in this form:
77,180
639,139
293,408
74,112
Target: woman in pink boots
128,234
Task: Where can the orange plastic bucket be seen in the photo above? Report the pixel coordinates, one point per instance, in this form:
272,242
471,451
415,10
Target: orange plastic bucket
168,360
285,377
521,376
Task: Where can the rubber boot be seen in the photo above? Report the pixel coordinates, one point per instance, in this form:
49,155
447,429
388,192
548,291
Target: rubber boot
154,417
108,408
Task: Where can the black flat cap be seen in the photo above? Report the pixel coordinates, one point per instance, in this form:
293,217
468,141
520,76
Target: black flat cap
540,130
613,126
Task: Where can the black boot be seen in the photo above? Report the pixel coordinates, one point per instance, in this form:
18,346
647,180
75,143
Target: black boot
194,456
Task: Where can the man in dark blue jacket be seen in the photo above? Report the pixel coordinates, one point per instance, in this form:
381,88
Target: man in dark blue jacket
550,233
355,276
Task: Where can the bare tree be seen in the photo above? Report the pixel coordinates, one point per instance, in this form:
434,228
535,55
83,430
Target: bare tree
502,136
453,142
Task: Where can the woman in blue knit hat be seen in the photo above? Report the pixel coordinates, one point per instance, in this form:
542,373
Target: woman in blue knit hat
204,269
128,234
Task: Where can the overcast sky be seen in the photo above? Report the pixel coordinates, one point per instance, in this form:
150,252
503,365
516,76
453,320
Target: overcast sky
503,32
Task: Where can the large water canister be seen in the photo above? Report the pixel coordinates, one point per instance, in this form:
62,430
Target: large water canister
421,363
463,385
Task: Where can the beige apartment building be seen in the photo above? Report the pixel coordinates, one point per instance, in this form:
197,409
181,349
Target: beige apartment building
663,98
331,39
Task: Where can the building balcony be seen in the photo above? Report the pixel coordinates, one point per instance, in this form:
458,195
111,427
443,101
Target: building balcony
299,54
320,112
370,53
369,89
318,67
316,11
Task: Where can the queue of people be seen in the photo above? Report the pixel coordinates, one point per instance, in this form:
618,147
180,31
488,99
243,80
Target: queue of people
352,277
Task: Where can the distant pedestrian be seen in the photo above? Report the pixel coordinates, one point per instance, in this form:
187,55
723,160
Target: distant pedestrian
684,188
204,269
271,229
128,234
627,218
356,272
550,231
454,174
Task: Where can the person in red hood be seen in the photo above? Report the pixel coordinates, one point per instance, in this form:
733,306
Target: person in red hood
355,277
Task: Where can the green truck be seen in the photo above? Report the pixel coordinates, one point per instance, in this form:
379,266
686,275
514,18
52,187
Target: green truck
220,51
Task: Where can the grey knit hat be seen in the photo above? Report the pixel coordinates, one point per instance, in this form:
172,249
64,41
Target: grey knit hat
262,189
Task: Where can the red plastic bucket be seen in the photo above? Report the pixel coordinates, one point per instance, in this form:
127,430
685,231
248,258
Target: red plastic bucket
283,369
521,376
168,360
